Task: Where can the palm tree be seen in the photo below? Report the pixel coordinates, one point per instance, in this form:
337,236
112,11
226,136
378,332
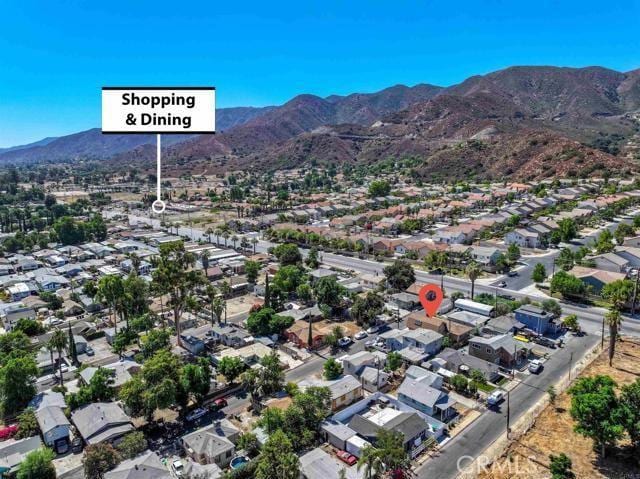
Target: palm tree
254,242
212,294
225,235
234,240
111,290
218,233
58,341
370,462
244,243
614,320
473,271
204,258
218,306
209,232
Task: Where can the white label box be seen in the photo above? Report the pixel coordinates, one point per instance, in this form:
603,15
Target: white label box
165,110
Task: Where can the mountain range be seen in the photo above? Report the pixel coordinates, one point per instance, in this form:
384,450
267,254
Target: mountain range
523,122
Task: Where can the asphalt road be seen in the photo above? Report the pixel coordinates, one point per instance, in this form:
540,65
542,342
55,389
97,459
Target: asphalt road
489,426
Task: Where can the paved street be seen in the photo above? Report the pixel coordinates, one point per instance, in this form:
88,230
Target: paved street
488,427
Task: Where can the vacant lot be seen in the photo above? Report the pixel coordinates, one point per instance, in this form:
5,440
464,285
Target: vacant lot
553,433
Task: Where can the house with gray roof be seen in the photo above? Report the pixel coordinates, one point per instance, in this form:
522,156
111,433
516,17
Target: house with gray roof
318,464
460,362
145,466
54,426
344,391
502,349
427,399
214,444
101,422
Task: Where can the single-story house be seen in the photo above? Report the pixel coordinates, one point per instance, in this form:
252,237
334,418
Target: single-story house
100,422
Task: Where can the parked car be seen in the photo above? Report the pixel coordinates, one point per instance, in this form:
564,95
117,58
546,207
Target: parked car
89,351
373,329
535,366
544,341
370,344
344,342
512,273
219,404
178,467
502,284
496,397
76,445
347,458
195,414
360,335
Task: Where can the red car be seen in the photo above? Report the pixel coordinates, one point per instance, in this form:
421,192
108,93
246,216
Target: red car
220,403
8,432
350,459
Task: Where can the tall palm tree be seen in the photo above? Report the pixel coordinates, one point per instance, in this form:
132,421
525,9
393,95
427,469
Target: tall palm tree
218,233
111,291
219,306
58,341
225,235
209,232
370,462
473,271
204,258
614,320
244,243
212,294
234,240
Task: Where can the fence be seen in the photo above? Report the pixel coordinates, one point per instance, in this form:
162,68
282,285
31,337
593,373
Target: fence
498,447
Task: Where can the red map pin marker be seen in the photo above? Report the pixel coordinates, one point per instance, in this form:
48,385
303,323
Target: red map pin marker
431,297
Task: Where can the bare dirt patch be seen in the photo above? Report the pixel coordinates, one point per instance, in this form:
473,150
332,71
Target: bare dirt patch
553,433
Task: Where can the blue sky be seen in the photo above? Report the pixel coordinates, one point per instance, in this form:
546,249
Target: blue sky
55,56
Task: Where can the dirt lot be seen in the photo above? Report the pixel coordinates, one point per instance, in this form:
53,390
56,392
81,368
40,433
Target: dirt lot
553,433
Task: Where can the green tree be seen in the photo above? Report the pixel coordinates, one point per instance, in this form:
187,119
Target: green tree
594,407
38,464
365,309
28,424
154,341
69,231
175,275
287,254
59,342
630,411
312,258
400,275
552,306
566,259
98,459
195,379
277,459
288,278
379,188
248,442
394,361
30,327
568,285
539,273
513,253
613,319
231,367
370,462
252,269
132,444
265,321
618,293
304,292
328,291
604,242
459,383
568,229
560,466
473,271
571,322
332,369
110,289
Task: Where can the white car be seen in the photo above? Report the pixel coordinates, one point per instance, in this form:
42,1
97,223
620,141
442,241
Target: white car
177,467
343,342
195,414
535,366
373,329
360,335
496,397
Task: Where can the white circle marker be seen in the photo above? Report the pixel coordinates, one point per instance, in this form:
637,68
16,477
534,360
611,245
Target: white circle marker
158,206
